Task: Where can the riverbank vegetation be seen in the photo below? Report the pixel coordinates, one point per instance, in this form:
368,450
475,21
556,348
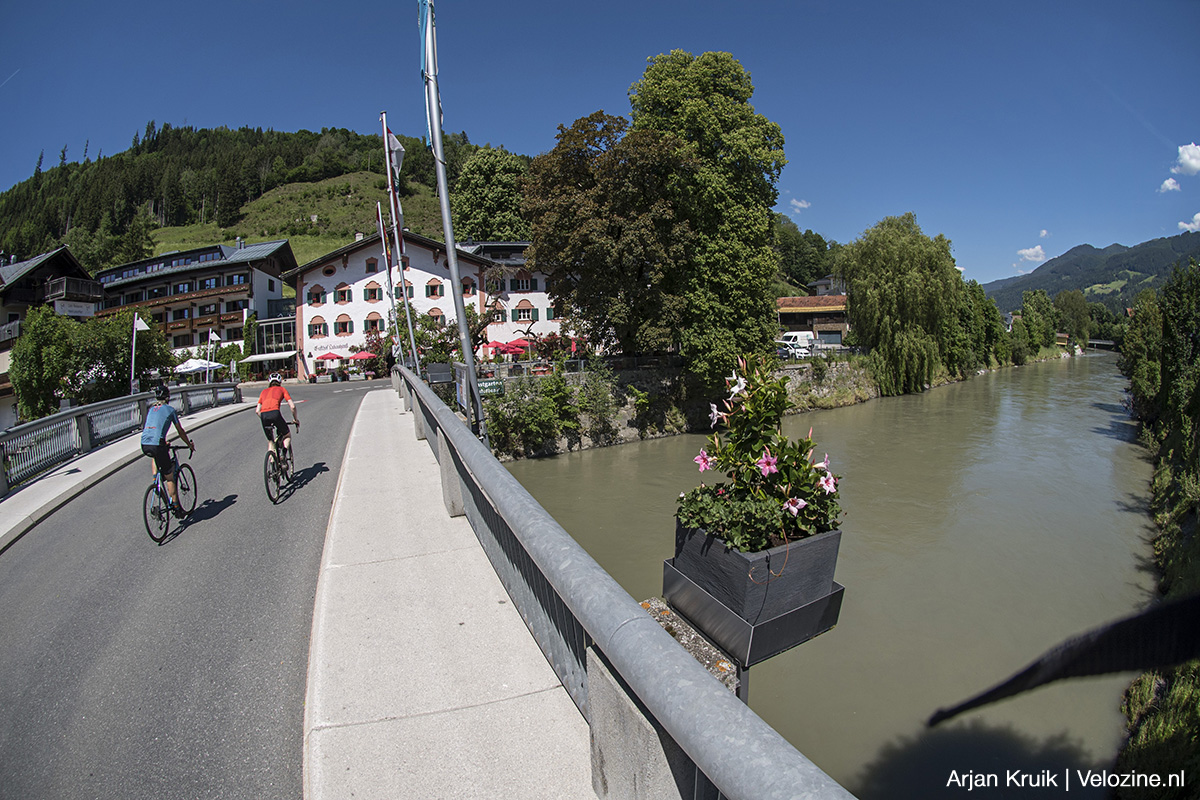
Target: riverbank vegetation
1161,358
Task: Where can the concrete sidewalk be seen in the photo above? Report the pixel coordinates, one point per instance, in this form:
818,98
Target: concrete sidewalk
423,680
30,503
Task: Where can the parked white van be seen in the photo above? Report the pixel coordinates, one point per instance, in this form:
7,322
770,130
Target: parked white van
801,338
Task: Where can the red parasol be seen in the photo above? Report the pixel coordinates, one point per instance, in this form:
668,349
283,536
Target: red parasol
362,355
522,343
328,357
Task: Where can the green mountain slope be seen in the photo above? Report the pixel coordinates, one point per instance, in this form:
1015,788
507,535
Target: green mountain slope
316,218
1112,276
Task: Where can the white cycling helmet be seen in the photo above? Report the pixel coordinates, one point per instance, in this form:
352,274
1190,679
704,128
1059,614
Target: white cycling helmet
275,378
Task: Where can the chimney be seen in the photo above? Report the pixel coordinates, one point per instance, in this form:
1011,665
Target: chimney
240,243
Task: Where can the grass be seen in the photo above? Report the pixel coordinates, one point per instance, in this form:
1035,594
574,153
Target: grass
342,207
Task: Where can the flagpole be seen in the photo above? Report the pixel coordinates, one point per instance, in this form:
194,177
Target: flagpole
133,354
398,233
433,112
393,319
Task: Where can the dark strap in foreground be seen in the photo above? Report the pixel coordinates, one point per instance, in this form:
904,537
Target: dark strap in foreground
1162,636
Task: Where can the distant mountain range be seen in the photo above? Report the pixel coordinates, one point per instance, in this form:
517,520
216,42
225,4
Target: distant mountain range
1112,276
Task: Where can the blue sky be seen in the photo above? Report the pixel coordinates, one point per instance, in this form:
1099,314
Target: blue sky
1018,129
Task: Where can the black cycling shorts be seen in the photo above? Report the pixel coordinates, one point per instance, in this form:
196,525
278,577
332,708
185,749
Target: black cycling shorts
161,453
273,420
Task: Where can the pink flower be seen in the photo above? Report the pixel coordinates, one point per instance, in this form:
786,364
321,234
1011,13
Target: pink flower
824,464
714,415
794,504
828,483
767,463
739,385
704,461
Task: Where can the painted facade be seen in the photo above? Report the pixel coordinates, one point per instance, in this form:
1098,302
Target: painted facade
344,294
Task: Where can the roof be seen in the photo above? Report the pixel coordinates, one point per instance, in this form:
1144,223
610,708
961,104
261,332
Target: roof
230,256
373,240
815,303
11,273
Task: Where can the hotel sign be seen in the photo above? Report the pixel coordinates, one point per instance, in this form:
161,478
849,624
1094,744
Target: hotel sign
70,308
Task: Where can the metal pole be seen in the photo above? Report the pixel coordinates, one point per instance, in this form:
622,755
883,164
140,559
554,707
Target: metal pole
133,354
433,110
398,236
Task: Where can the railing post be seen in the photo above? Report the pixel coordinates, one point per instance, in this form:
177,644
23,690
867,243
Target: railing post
3,472
83,429
419,421
451,484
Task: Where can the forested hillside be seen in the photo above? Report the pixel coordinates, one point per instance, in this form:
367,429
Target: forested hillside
107,208
1112,276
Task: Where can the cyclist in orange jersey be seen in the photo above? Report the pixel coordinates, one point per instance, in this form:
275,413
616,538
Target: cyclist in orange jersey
269,414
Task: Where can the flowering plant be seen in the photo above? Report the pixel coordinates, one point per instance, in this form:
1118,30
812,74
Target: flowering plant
776,490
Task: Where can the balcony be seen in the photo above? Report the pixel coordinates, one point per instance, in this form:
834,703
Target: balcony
10,331
74,289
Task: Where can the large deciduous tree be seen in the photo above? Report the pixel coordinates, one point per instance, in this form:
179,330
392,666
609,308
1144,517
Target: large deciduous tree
704,102
1074,314
611,229
486,201
57,357
903,303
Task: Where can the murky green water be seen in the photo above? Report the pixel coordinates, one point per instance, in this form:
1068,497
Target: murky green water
985,522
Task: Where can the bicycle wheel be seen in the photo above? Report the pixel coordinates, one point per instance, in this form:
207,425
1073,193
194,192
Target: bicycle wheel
185,484
288,462
271,477
156,514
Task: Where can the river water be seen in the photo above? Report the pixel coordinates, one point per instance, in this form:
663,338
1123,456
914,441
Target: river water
985,522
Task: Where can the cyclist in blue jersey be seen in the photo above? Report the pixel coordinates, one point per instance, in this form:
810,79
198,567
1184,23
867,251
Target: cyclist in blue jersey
159,419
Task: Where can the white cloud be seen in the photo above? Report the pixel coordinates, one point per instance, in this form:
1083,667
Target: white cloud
1169,185
1189,160
1192,226
1044,233
1032,254
800,205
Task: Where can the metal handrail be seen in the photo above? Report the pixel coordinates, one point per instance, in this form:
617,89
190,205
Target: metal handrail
30,449
568,602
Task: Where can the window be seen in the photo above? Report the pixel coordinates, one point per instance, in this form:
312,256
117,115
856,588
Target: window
328,271
270,285
316,296
157,319
436,315
344,326
434,289
205,310
318,328
234,333
373,294
375,324
181,313
157,291
409,290
235,305
183,340
372,265
499,315
468,288
237,280
133,297
523,285
343,295
181,288
524,315
210,283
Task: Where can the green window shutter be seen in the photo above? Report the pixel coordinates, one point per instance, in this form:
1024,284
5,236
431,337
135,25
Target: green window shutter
533,284
503,315
350,326
535,315
512,285
550,313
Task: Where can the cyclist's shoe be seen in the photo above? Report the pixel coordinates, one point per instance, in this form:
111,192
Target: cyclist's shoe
178,511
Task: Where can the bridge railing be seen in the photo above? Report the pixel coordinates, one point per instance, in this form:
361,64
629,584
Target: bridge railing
570,603
29,450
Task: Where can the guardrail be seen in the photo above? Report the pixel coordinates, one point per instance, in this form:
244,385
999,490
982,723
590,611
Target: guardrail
570,603
29,450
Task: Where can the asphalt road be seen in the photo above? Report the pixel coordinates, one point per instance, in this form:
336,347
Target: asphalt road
135,670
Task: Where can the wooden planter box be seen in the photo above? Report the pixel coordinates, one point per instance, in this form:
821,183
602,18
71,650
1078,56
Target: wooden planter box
754,605
759,586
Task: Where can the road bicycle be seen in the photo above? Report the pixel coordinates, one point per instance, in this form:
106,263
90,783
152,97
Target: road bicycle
156,505
280,465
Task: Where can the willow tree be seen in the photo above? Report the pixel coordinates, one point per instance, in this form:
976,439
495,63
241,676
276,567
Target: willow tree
903,299
704,103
